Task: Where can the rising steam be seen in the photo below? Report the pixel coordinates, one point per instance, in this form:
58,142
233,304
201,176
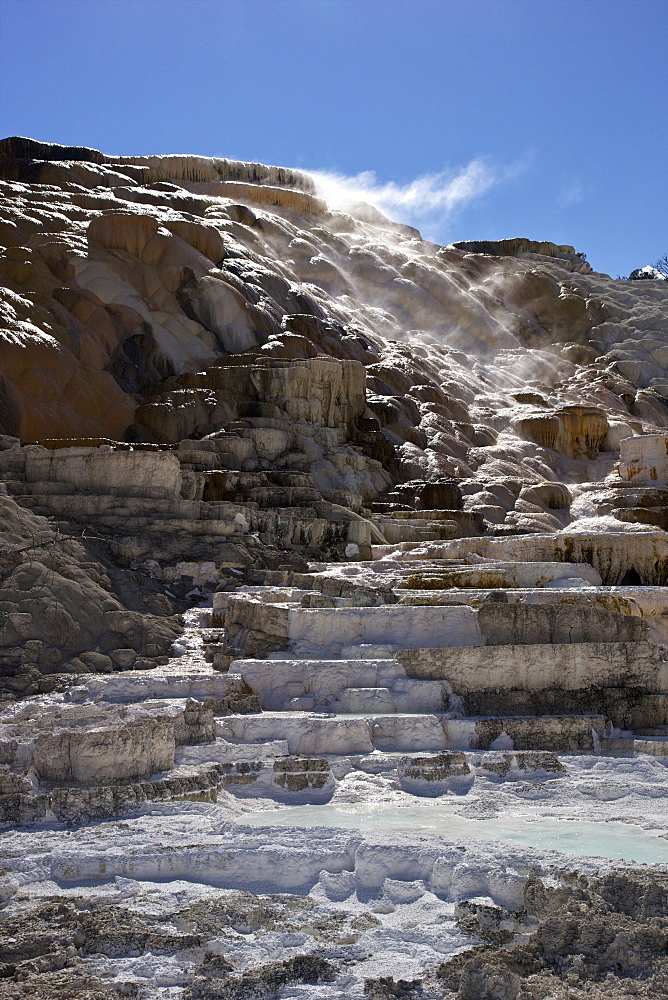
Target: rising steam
426,197
430,199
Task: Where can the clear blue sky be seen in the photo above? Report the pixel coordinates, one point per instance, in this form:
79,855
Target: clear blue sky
559,104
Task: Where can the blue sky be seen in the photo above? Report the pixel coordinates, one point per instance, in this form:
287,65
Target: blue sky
479,119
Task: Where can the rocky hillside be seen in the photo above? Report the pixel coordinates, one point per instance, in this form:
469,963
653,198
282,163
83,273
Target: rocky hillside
206,371
308,522
120,272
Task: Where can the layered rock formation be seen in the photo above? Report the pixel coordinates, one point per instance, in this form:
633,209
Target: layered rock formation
419,494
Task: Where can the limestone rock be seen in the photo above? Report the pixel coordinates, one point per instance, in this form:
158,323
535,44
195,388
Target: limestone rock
204,238
220,309
93,470
575,431
131,751
503,624
123,231
644,459
57,601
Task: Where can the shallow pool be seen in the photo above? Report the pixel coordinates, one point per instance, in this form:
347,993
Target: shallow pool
571,836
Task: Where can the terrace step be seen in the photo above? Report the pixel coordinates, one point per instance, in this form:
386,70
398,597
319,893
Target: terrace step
311,733
342,686
655,746
415,529
329,632
610,552
364,699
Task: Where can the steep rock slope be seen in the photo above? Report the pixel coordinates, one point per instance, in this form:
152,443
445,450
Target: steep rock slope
121,271
287,380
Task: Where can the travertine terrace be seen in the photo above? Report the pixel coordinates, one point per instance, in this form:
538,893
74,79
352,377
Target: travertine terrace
333,617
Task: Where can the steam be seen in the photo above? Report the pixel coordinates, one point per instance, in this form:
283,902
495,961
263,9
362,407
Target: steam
430,198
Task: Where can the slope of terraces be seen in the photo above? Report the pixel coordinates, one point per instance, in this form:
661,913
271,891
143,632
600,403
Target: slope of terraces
308,522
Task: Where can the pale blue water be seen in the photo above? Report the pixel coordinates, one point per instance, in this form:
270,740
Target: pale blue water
578,837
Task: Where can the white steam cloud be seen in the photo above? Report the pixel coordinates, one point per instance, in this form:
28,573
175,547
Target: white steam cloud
429,199
429,193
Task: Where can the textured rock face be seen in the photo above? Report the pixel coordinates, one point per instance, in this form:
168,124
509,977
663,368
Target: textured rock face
576,431
573,678
619,557
88,746
645,459
335,628
62,599
135,751
95,470
503,624
259,409
567,950
436,768
120,271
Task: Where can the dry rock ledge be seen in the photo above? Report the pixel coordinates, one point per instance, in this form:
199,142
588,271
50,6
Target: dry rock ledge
333,599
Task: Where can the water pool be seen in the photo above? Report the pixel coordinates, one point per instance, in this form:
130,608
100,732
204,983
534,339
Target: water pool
624,841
